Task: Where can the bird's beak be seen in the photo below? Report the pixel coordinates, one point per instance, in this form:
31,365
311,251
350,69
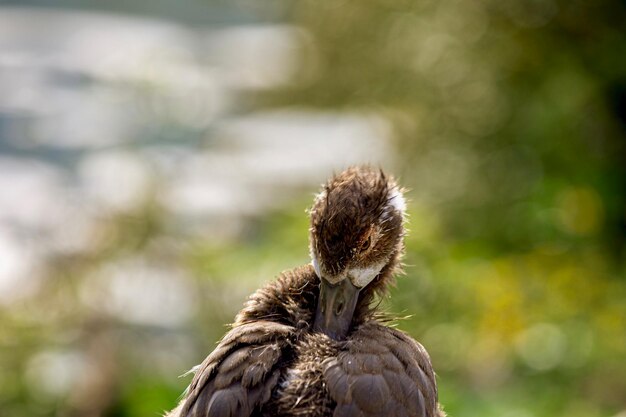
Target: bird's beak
335,308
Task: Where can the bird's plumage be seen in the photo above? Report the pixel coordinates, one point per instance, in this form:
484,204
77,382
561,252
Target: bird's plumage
273,363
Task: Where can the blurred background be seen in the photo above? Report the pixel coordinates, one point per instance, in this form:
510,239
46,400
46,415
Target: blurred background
157,158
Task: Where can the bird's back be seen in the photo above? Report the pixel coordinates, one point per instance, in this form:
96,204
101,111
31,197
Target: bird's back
377,371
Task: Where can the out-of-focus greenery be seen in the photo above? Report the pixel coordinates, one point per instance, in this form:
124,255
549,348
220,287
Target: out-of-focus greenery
509,122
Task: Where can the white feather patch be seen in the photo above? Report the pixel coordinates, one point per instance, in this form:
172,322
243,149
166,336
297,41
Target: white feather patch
396,199
360,277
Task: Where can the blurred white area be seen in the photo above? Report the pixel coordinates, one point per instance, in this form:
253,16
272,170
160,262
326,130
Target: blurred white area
141,292
17,270
260,159
54,373
104,115
115,180
94,79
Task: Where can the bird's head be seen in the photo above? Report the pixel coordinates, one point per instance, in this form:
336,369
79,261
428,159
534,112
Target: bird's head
356,241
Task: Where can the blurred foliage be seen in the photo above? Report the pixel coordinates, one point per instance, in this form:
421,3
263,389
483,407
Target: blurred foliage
502,110
509,122
509,119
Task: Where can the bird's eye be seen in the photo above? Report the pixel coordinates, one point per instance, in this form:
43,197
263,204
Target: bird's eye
366,245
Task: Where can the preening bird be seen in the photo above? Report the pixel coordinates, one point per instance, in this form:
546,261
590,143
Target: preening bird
311,342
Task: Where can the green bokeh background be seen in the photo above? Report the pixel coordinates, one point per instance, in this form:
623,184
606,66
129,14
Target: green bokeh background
509,131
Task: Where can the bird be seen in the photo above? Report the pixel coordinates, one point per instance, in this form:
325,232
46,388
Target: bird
313,342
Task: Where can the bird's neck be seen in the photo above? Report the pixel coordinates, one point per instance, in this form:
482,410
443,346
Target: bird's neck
291,299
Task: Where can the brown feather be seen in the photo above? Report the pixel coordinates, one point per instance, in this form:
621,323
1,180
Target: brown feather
272,363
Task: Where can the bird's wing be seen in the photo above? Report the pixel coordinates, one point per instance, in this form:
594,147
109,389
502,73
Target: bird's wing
241,372
382,372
